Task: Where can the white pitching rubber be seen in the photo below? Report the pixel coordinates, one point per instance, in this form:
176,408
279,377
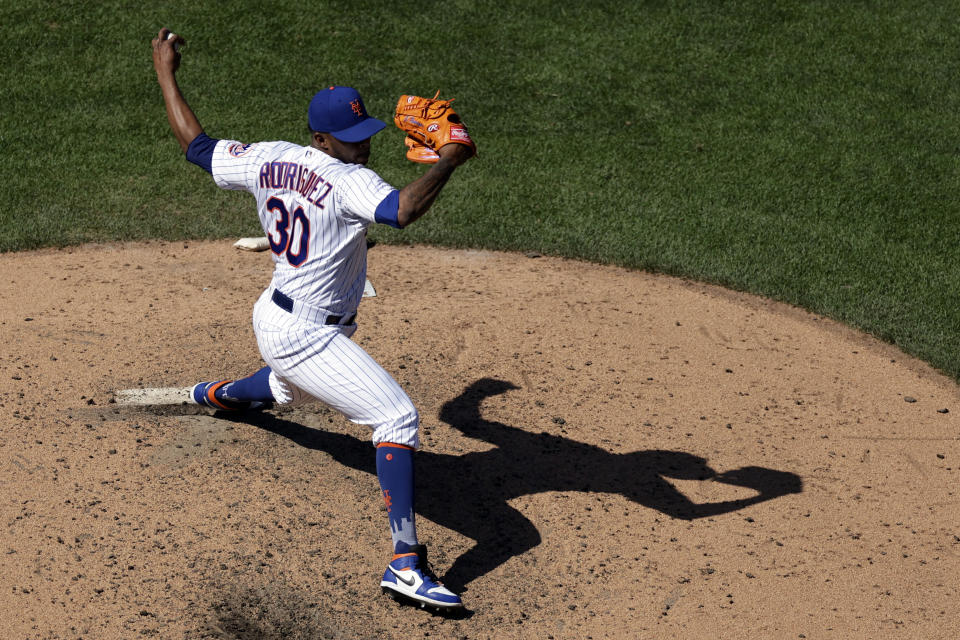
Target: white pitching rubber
147,397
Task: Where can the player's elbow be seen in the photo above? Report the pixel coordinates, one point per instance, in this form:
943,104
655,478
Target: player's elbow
404,218
408,208
407,216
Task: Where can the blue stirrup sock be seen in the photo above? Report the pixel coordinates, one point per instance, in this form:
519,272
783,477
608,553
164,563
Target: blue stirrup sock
395,473
255,388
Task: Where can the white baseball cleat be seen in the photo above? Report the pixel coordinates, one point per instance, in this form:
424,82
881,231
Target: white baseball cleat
409,576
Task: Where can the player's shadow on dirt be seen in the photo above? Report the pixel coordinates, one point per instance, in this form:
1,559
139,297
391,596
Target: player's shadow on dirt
468,493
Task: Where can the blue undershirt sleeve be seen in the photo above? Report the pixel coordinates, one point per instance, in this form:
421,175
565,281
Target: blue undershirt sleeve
388,210
200,152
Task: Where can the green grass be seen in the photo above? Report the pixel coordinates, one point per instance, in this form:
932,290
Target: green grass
805,151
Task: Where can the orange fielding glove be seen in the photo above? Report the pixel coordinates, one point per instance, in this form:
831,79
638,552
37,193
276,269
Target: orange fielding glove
421,153
430,122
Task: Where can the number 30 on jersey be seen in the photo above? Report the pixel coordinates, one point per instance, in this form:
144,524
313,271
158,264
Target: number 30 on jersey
291,235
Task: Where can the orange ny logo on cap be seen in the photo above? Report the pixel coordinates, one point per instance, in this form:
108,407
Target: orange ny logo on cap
357,109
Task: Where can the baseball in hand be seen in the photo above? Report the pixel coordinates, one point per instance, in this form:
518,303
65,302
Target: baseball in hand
176,45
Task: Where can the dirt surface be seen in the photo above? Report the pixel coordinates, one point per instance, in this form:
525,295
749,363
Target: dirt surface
607,454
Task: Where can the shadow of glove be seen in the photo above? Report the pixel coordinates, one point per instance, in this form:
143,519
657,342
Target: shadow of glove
768,482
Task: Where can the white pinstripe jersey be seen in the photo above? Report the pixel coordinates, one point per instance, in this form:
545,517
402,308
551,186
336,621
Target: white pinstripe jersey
315,211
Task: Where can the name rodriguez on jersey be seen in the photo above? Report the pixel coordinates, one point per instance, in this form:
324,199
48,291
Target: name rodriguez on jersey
293,176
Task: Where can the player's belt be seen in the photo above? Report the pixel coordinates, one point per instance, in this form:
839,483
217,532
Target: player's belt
307,312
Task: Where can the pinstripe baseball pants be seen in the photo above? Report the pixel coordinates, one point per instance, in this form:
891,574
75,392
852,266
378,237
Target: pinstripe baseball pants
312,361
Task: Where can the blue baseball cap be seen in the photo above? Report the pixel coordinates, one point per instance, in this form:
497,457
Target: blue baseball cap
339,111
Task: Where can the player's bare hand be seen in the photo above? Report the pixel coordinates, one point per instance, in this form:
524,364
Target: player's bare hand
166,51
455,154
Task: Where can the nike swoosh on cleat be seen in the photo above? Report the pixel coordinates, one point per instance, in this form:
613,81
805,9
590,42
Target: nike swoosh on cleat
407,581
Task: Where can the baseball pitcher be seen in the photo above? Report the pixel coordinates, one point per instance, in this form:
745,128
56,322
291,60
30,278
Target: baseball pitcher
315,204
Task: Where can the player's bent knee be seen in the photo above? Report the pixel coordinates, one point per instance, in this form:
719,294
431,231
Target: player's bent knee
286,394
404,429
